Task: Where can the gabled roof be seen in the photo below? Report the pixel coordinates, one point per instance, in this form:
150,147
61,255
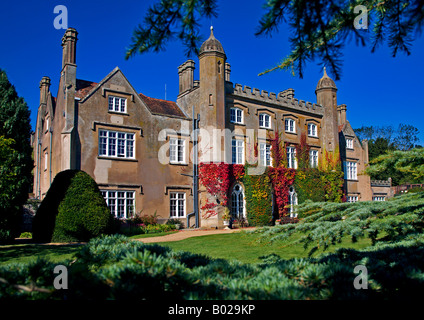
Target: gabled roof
85,88
162,107
347,129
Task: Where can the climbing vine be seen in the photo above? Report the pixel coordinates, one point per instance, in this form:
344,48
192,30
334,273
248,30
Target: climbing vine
280,176
217,178
324,183
258,196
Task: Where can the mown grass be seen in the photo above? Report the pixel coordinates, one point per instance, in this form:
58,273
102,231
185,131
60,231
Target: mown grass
21,253
239,246
245,248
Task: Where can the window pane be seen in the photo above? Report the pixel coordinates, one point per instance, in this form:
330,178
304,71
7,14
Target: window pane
267,121
123,103
234,151
112,143
121,144
110,103
180,150
239,115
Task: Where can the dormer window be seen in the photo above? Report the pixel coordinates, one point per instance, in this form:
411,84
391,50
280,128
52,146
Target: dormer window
312,130
264,121
117,104
290,125
349,143
236,115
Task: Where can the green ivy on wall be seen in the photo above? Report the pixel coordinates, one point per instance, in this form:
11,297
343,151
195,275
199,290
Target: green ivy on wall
258,199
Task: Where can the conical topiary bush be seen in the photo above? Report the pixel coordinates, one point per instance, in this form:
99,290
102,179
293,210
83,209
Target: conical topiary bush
73,210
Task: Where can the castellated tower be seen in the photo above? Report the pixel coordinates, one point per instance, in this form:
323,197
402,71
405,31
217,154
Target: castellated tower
326,92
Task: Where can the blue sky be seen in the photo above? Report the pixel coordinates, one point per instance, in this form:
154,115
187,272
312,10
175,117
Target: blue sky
377,89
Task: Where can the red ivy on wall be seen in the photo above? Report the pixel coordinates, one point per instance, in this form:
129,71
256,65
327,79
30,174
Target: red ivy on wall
217,178
281,177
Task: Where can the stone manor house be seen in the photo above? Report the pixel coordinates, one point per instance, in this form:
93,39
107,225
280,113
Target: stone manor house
119,135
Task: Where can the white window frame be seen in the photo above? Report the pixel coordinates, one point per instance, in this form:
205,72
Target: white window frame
238,202
378,198
117,104
236,115
312,130
291,157
116,144
290,125
352,199
265,154
237,151
351,170
177,200
121,203
313,158
177,151
264,120
349,143
292,202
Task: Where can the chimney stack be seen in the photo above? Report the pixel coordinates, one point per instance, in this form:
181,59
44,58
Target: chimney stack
227,71
44,89
69,47
186,76
342,113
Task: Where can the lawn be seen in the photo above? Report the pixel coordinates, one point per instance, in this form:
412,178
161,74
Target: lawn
26,252
21,253
245,248
239,246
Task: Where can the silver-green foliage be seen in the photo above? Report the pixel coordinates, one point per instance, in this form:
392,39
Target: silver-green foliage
115,267
323,224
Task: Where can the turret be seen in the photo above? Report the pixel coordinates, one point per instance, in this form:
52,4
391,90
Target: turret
212,72
326,92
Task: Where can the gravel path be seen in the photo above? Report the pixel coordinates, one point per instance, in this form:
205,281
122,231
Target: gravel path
184,234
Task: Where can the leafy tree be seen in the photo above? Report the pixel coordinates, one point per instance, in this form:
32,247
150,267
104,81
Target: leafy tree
386,138
318,29
407,137
408,165
378,147
16,158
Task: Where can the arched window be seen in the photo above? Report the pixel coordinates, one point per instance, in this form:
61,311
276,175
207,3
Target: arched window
292,202
237,201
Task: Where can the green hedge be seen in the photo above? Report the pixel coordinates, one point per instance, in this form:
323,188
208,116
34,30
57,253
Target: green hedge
73,210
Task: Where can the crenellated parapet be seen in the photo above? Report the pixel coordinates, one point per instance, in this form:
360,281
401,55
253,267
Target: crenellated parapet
282,99
381,183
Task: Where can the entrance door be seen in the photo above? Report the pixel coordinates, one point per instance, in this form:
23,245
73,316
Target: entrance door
237,202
